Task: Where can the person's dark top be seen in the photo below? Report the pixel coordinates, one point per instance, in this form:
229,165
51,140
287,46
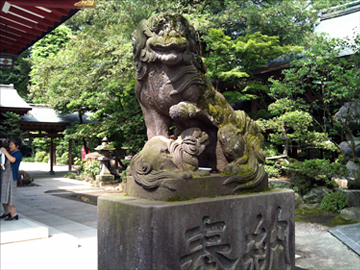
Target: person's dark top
15,166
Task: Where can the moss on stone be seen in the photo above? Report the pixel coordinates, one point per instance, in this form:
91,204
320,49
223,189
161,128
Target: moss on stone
336,221
178,198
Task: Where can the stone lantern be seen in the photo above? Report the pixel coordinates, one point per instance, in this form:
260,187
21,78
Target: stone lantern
105,177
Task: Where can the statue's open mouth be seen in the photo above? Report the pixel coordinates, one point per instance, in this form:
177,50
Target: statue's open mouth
171,47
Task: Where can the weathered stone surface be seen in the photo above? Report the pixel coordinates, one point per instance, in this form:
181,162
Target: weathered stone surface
316,195
173,91
347,150
310,205
349,114
354,197
351,213
25,178
298,200
197,187
235,232
352,166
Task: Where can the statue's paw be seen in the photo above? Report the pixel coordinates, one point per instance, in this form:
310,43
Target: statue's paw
183,110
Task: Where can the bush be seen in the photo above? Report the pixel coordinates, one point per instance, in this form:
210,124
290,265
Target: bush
70,175
313,167
315,172
335,201
301,183
92,168
39,157
28,159
272,171
271,150
64,159
272,167
46,159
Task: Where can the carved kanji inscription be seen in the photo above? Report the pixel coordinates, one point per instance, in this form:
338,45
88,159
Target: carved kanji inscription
206,249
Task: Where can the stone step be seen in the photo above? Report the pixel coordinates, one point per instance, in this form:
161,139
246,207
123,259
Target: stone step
21,230
28,230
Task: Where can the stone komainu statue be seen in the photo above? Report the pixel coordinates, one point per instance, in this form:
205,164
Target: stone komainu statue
172,90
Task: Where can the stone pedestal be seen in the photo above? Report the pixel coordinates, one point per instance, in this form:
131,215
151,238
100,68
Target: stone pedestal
104,178
254,231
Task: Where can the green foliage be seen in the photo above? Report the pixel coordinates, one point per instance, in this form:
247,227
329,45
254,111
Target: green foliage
316,167
71,175
64,159
28,159
272,167
305,175
233,59
41,156
40,144
322,74
272,171
9,125
19,76
51,44
92,168
335,201
271,150
91,69
301,184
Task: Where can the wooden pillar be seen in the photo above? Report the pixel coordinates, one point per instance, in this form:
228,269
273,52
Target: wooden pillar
54,154
70,154
51,156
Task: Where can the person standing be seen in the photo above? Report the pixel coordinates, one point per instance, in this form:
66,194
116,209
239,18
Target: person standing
9,179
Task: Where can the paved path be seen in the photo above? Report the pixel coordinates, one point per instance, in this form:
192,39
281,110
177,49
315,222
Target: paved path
73,241
69,221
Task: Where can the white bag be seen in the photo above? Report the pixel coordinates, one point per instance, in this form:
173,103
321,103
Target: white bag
2,160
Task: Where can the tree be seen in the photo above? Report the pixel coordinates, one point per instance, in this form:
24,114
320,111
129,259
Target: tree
10,125
91,68
19,76
311,92
236,59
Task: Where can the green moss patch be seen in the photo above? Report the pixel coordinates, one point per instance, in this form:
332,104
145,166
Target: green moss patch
327,218
178,198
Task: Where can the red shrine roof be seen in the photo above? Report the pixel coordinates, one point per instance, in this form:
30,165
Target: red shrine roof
23,22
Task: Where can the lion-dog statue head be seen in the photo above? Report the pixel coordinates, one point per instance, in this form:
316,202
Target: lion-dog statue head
172,89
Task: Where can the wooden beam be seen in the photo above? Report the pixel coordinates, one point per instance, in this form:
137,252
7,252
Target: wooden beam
31,135
12,40
22,21
45,3
50,16
51,172
28,30
41,21
15,35
9,44
4,49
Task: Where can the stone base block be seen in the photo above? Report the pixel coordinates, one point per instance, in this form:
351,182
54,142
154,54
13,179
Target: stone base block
197,187
105,178
100,184
254,231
